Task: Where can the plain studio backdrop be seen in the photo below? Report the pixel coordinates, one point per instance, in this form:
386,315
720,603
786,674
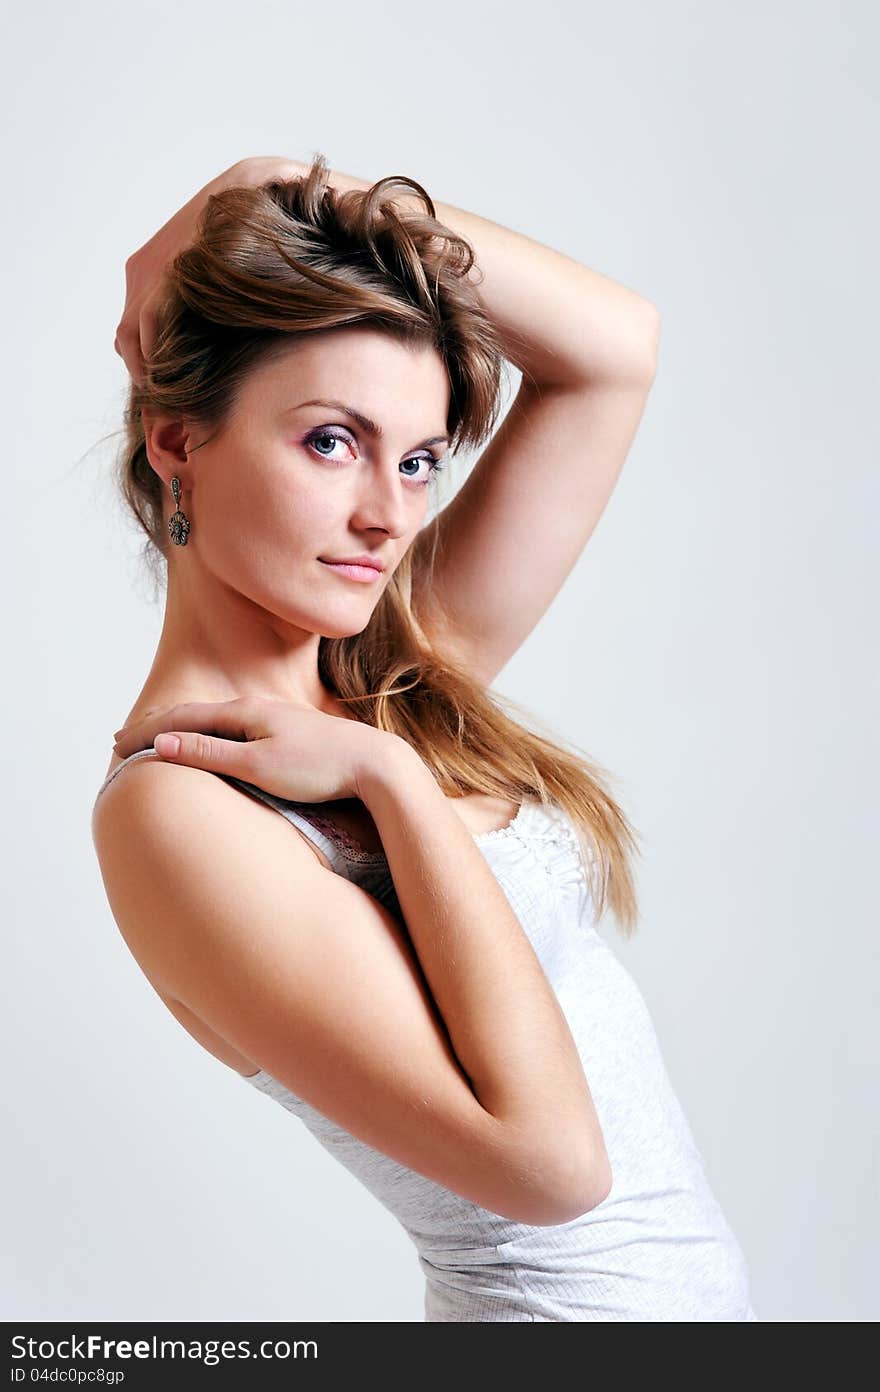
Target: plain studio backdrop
714,648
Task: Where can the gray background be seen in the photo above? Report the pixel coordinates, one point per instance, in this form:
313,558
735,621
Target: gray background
714,647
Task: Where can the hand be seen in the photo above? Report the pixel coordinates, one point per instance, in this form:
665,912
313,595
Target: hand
145,269
293,751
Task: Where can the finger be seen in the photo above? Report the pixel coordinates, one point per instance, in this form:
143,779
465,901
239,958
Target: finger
231,719
146,332
134,723
198,750
127,345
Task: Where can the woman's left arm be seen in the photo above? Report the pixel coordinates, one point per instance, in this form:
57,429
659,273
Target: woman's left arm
587,347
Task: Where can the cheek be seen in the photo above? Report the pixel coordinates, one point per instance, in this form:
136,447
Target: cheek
308,517
258,503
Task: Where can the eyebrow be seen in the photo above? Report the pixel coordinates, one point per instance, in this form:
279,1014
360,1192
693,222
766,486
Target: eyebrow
368,426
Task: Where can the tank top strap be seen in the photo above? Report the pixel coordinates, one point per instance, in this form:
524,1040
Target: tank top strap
138,754
314,833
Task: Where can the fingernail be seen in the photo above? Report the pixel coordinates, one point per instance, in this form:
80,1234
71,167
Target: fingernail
166,744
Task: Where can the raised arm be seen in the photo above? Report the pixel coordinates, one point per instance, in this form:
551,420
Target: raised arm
454,1059
511,535
588,349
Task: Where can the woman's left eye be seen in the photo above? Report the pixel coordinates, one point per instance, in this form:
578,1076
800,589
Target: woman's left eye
431,460
334,438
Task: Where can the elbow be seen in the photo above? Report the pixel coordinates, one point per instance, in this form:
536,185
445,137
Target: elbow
652,345
578,1198
640,364
572,1193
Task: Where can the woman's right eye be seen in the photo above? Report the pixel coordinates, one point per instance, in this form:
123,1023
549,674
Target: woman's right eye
325,435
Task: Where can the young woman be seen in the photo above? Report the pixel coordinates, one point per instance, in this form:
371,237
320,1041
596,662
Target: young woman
407,957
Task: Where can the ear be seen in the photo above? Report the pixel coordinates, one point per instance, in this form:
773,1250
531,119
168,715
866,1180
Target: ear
166,446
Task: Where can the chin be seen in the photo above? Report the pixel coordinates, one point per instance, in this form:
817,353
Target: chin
344,630
318,621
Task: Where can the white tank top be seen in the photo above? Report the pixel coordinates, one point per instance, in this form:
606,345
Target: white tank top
658,1247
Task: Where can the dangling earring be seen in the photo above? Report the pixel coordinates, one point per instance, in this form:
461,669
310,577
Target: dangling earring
178,523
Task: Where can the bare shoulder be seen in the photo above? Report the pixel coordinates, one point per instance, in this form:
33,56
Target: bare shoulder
150,786
303,972
113,826
164,829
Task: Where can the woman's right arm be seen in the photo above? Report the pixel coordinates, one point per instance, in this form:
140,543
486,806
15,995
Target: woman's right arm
456,1062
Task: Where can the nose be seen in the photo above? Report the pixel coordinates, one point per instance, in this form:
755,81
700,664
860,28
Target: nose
383,501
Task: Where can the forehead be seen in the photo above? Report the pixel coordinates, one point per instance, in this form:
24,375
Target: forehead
399,387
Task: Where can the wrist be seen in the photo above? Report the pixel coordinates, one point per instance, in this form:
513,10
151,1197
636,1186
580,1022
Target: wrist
384,759
259,169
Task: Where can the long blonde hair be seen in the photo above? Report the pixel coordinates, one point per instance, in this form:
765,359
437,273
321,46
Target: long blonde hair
293,256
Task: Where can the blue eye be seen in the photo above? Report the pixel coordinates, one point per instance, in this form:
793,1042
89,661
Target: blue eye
323,435
435,463
335,437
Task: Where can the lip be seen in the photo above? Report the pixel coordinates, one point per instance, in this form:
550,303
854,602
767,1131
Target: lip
364,559
369,573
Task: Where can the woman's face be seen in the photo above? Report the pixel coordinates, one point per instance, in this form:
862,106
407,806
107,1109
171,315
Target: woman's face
286,486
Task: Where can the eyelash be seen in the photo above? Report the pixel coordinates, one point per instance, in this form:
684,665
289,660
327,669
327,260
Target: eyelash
326,431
